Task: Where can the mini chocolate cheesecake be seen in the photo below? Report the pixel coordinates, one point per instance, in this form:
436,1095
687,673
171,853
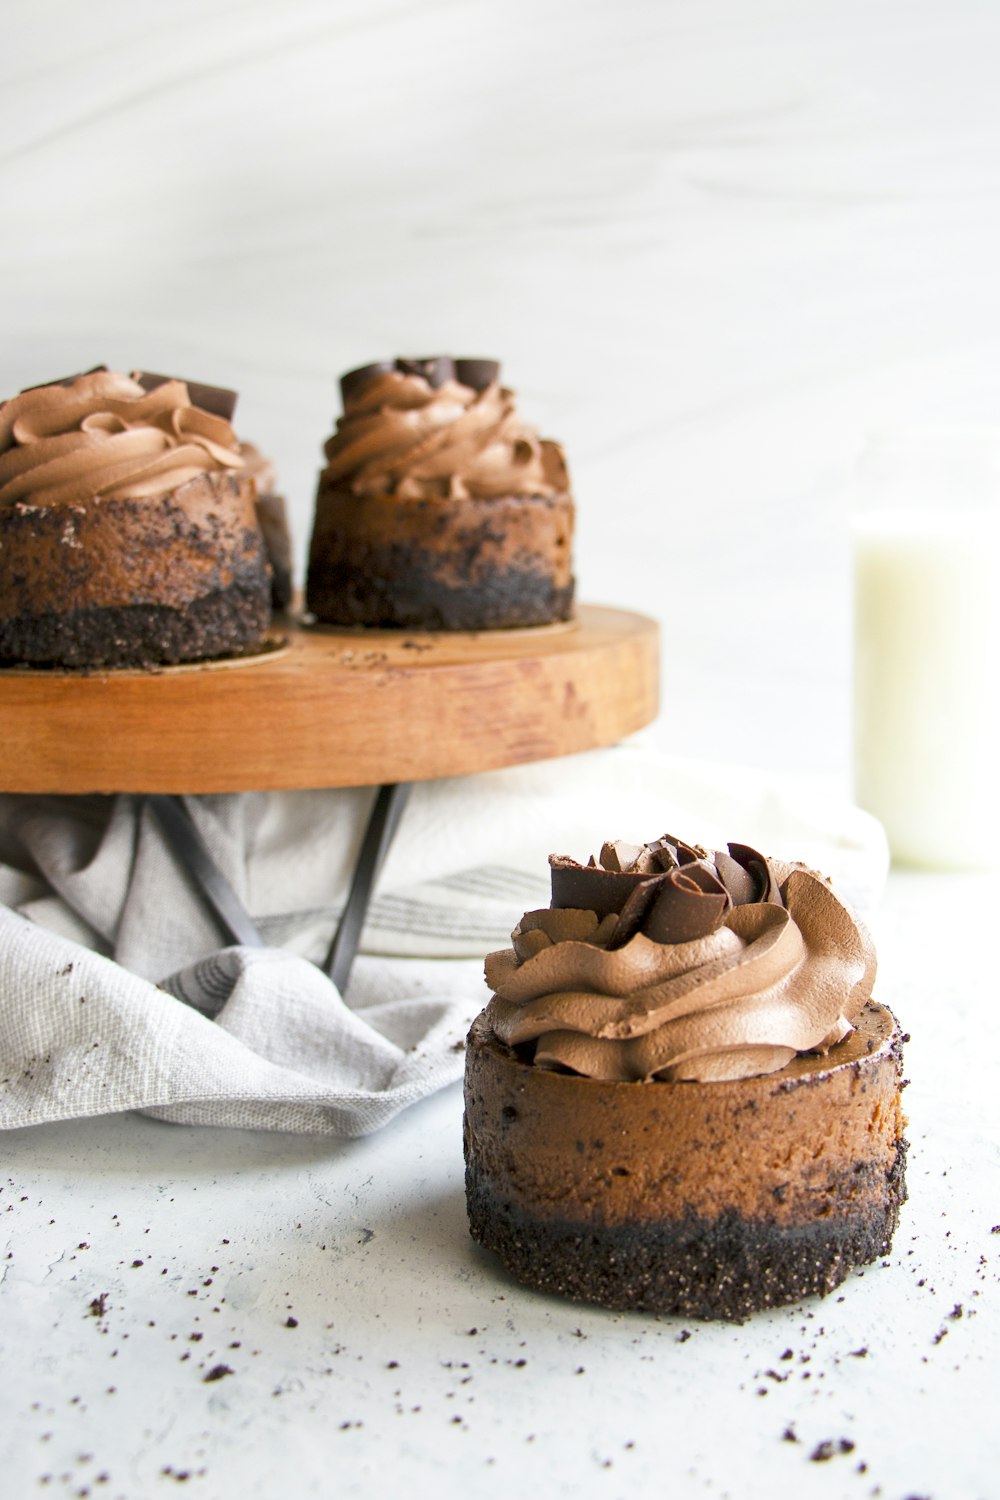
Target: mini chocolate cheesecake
438,509
128,534
702,1123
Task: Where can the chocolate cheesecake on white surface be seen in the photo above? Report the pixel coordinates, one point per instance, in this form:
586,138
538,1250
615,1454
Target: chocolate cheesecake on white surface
681,1097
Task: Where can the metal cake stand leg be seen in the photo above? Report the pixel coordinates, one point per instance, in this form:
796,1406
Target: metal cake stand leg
196,857
382,824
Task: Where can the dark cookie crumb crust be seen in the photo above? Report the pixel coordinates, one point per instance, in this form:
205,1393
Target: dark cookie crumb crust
398,589
461,564
725,1268
222,623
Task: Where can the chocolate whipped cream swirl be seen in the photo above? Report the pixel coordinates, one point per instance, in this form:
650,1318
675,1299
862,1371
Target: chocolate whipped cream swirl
438,428
103,434
663,961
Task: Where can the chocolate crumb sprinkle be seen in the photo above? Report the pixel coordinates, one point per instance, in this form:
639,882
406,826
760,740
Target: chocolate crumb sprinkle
829,1448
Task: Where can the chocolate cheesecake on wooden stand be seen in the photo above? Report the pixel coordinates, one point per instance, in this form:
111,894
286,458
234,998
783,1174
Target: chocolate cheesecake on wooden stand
128,534
438,508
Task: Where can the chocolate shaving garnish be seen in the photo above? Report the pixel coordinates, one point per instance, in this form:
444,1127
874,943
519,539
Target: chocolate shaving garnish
477,374
607,885
661,851
354,380
633,914
589,888
670,891
676,907
65,380
626,858
688,904
673,852
747,875
739,882
215,399
435,369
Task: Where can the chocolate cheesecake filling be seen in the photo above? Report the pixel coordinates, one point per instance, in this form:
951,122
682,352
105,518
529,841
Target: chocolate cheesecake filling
698,1200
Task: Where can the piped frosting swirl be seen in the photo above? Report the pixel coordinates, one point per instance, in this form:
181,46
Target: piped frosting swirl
663,961
103,435
415,429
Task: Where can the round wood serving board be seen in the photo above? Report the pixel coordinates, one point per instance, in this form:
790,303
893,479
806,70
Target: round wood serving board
332,708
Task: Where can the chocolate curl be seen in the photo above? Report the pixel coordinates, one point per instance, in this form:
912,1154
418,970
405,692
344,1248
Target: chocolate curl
630,859
747,876
215,399
676,907
624,870
589,888
477,374
689,904
672,852
356,380
435,368
636,909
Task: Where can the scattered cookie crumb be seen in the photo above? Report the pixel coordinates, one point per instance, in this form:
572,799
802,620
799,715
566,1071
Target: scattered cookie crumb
829,1448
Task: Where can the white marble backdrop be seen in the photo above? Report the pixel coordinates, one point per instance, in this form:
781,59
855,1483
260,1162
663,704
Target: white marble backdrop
713,241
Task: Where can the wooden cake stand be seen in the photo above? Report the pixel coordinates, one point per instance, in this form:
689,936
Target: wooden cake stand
329,708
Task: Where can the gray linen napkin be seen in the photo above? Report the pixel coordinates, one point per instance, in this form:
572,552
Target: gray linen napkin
115,993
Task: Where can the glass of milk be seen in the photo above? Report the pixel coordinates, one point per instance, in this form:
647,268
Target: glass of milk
926,549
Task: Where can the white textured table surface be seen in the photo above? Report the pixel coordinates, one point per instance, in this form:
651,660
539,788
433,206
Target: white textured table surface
139,1258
